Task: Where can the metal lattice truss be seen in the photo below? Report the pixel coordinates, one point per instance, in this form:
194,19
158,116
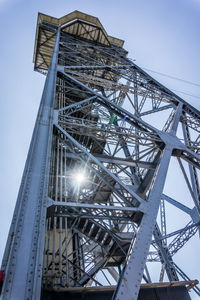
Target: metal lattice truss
100,127
119,127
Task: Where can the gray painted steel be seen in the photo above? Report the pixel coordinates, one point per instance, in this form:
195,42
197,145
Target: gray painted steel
102,116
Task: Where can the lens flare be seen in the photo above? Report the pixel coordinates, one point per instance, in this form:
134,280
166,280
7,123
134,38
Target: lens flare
80,177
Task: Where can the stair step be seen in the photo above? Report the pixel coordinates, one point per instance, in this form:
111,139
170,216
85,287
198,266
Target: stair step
94,231
97,235
107,240
81,223
86,222
101,236
87,228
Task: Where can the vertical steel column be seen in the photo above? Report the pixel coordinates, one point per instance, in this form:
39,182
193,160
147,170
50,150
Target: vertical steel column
23,256
129,284
131,278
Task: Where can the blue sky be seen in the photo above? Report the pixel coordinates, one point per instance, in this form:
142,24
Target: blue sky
161,35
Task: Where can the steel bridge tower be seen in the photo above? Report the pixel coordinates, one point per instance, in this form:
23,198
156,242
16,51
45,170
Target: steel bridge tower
91,214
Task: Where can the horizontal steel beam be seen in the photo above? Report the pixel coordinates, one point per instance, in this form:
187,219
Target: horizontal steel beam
117,160
93,206
102,67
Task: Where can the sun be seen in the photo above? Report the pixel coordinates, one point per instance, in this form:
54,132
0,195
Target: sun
80,177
